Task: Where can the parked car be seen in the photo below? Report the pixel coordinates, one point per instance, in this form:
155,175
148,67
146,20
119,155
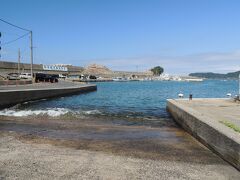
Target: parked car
62,76
41,77
25,76
13,76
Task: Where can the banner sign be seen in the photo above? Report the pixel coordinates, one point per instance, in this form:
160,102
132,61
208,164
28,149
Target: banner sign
54,68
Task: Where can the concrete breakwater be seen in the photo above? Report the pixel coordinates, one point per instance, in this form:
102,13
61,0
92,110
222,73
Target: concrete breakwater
15,96
202,118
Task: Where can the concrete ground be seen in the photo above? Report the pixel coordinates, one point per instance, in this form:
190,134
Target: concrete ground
20,160
60,84
216,109
43,148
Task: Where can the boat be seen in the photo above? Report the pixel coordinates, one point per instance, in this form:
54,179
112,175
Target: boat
120,79
194,79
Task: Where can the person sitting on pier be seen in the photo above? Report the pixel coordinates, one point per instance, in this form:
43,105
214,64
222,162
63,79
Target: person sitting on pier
237,98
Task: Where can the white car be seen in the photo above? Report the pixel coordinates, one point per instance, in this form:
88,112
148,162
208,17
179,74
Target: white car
13,76
25,76
62,76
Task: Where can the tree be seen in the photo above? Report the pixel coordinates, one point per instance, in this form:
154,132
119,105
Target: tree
157,70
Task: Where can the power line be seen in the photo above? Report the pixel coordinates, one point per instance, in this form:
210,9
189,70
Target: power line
31,42
8,33
14,25
6,43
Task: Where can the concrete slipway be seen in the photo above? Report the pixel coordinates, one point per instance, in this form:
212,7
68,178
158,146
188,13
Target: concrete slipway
203,119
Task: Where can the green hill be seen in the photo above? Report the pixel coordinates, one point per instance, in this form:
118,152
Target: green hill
210,75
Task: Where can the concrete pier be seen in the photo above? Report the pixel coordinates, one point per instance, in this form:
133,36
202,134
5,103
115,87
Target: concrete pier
204,119
12,95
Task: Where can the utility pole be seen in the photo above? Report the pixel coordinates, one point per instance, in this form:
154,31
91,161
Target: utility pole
0,44
239,85
31,53
19,57
31,45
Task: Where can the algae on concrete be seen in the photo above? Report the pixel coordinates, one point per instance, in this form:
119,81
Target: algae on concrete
231,125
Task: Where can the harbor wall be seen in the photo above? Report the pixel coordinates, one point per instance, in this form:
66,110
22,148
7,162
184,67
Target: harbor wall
11,97
197,125
10,67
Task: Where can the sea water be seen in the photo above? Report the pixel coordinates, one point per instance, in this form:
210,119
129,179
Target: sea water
135,99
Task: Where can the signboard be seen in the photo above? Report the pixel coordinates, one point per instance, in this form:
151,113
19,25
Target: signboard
54,68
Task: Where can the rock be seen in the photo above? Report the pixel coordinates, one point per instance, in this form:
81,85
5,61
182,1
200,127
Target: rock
96,69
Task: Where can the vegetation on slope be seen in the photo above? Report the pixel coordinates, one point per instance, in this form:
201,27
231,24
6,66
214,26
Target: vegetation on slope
210,75
231,125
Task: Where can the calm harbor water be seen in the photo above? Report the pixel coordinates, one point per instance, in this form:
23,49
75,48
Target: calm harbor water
125,99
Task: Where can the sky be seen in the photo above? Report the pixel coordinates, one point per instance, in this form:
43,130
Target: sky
182,36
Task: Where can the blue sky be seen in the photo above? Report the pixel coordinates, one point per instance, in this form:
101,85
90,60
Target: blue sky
183,36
